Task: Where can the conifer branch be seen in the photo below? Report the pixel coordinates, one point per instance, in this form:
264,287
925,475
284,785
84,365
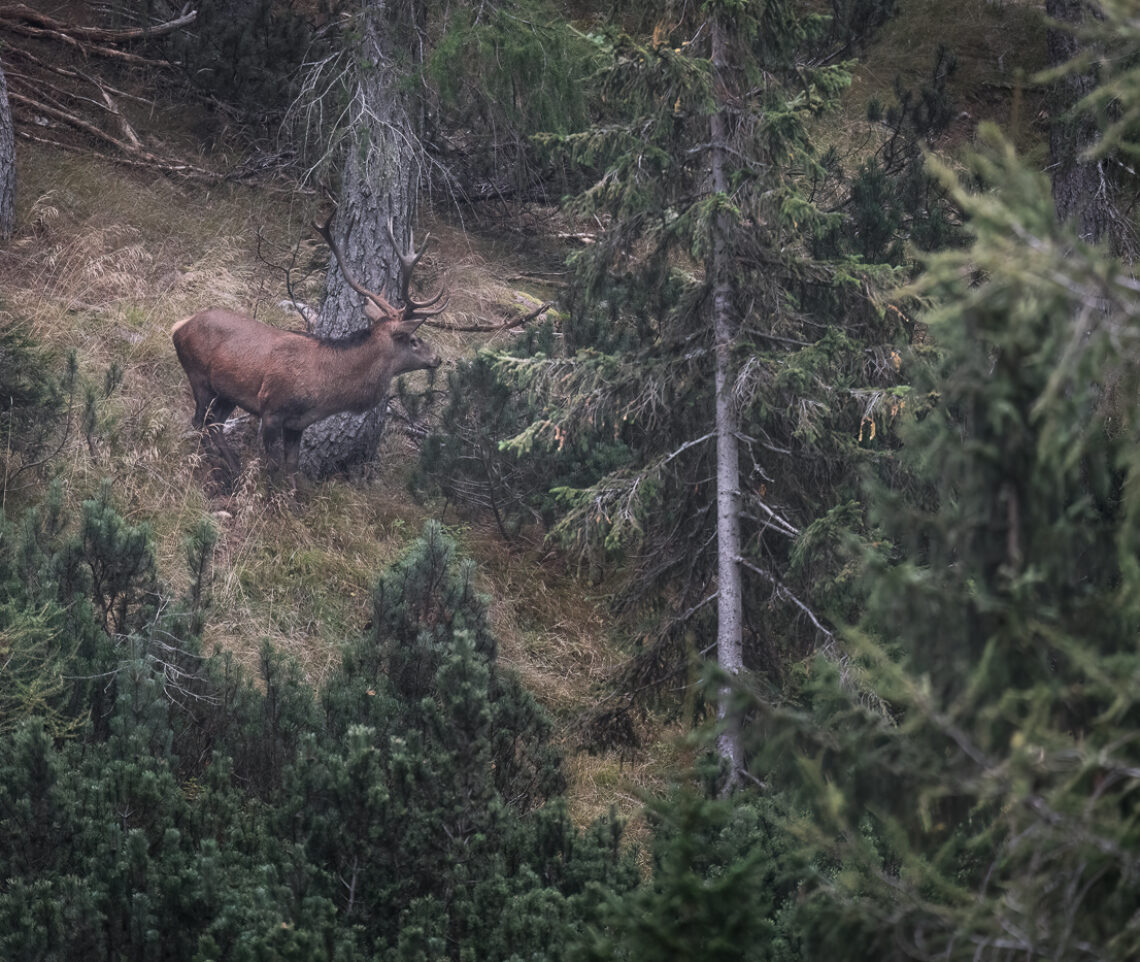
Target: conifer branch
782,591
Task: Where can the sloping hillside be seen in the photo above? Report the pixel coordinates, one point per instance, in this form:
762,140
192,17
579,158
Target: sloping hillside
106,260
107,257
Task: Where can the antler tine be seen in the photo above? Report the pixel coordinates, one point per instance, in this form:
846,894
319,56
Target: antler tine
408,261
378,299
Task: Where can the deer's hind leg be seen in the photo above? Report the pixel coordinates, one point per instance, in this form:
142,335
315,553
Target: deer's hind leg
291,448
210,415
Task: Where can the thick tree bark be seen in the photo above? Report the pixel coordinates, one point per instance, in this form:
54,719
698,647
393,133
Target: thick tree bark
7,165
730,617
1085,191
381,177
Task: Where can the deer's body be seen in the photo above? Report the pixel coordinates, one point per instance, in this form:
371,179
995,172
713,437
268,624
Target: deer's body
288,379
291,380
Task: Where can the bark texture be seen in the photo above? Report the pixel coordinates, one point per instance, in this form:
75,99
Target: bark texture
381,177
1084,191
730,616
7,165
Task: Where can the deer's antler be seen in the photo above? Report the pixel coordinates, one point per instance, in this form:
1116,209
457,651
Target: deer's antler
413,309
378,308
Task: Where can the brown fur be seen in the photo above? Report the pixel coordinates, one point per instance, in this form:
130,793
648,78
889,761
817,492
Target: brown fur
289,380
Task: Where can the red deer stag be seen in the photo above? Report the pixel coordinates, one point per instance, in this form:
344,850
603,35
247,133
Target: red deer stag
291,380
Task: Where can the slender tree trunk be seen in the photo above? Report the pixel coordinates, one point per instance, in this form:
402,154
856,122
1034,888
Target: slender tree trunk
381,177
1084,191
730,618
7,165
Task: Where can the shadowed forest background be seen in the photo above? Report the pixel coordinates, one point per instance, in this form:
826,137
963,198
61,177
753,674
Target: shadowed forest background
758,577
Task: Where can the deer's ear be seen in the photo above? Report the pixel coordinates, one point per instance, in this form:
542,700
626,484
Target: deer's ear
410,326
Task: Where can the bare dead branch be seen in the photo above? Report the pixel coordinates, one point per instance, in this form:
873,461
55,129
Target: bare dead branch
79,100
14,52
87,49
177,168
287,270
129,149
492,328
20,17
124,125
785,594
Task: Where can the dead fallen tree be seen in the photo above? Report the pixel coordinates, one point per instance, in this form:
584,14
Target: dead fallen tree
20,19
61,96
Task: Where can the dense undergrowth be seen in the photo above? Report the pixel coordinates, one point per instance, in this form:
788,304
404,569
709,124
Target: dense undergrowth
109,261
252,728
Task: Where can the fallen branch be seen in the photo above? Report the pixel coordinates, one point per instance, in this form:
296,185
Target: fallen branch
88,105
131,147
544,277
23,19
492,328
151,163
43,87
12,51
124,125
87,49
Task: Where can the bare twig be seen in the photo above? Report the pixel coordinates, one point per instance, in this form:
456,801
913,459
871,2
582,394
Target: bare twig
491,328
22,19
130,148
782,591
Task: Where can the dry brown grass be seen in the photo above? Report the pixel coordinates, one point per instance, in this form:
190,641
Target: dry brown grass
997,45
104,262
991,41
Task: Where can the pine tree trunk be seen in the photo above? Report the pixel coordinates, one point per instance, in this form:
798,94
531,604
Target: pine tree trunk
7,165
1084,191
381,176
730,618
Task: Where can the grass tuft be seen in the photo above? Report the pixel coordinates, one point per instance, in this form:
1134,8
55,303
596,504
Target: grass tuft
103,262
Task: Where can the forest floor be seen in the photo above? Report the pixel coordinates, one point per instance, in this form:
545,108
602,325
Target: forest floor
107,258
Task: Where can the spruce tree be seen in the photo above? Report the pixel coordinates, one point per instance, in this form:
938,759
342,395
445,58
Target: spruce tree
723,370
1086,187
988,811
716,891
158,805
36,399
502,72
127,829
427,800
